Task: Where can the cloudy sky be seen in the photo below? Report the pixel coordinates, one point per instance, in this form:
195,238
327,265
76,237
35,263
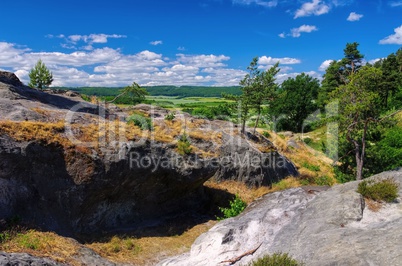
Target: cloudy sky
189,42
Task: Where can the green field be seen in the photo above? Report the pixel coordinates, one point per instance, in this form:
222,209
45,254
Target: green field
187,102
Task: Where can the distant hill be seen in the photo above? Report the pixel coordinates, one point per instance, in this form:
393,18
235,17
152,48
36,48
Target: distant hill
182,91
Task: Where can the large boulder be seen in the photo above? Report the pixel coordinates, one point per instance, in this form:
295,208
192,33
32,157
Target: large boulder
116,184
317,227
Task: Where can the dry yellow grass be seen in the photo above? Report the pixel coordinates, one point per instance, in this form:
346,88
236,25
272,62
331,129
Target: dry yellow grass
43,244
250,194
373,205
311,164
28,131
148,250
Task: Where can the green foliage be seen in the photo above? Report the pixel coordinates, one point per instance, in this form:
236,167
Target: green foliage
192,91
258,88
86,97
182,91
134,92
379,190
184,145
237,205
222,111
296,100
359,106
276,259
40,76
308,141
386,153
145,123
28,240
352,60
311,167
323,181
5,236
170,116
266,134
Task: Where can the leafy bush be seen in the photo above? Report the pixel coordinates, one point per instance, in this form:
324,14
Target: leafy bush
379,190
145,123
170,116
236,207
184,145
5,236
323,181
266,134
308,141
276,259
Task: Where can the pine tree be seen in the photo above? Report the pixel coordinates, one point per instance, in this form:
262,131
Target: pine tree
40,76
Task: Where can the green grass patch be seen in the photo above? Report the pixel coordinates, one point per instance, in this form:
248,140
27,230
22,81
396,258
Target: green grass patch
145,123
276,259
184,145
311,167
379,190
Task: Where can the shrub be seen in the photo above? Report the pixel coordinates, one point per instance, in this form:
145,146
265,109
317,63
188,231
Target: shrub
145,123
308,141
323,181
266,134
184,145
276,259
170,116
236,207
379,190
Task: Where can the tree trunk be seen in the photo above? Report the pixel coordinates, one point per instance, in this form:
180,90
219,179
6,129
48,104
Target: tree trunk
256,122
243,126
359,165
115,98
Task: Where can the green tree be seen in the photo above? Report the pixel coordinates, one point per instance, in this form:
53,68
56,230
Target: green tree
352,60
391,79
40,76
258,88
338,72
135,91
296,100
358,107
331,81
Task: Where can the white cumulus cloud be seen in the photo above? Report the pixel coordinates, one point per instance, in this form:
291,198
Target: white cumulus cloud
316,8
272,3
88,40
395,3
264,60
324,65
296,32
395,38
353,16
156,43
111,68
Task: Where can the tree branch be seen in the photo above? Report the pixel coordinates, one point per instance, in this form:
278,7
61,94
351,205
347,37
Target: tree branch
236,259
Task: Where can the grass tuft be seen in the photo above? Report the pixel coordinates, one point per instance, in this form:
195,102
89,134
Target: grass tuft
379,190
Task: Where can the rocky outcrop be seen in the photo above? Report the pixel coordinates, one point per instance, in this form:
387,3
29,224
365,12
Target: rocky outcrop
113,185
332,227
25,259
84,256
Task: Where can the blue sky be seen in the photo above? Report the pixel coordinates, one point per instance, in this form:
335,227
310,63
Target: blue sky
193,42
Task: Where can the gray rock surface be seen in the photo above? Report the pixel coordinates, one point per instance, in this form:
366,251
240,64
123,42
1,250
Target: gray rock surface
332,227
24,259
